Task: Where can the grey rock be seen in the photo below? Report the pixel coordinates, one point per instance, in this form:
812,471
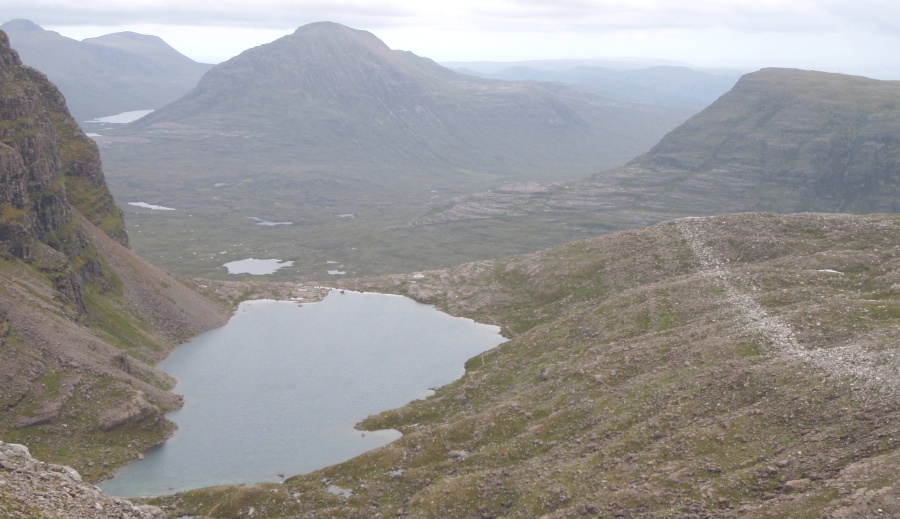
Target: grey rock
17,450
457,455
796,485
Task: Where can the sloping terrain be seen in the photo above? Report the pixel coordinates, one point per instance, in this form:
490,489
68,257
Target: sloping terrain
82,319
781,140
335,137
789,140
732,366
109,74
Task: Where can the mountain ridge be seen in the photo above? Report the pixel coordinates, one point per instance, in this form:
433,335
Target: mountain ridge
781,140
109,74
835,136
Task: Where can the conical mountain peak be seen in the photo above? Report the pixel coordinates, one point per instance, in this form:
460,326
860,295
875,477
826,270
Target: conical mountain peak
334,30
20,25
319,65
146,39
332,43
137,36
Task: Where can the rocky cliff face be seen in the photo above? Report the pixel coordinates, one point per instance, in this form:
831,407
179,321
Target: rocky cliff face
14,228
52,167
46,158
82,320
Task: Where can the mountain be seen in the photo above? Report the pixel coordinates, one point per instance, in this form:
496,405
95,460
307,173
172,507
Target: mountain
781,140
666,85
734,366
340,96
82,319
790,140
329,121
109,74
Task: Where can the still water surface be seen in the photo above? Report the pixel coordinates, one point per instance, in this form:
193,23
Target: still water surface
278,389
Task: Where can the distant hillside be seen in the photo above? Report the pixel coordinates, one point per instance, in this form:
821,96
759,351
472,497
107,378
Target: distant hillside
788,140
106,75
329,121
82,319
335,97
736,366
780,140
665,85
561,65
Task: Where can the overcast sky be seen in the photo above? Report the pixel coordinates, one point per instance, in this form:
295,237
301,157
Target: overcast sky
848,36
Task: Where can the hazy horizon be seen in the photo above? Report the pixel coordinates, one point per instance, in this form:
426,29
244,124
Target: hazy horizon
850,37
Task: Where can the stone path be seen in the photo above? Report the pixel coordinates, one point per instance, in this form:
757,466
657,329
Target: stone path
877,372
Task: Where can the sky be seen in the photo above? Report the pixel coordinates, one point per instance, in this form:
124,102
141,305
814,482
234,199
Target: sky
847,36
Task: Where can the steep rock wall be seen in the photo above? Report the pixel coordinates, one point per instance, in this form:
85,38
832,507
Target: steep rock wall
82,319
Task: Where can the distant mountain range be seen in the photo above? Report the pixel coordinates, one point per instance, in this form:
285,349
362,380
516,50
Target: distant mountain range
665,85
384,161
781,140
330,121
561,65
109,74
336,96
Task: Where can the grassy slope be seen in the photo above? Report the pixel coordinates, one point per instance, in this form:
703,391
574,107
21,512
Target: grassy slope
785,140
705,366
